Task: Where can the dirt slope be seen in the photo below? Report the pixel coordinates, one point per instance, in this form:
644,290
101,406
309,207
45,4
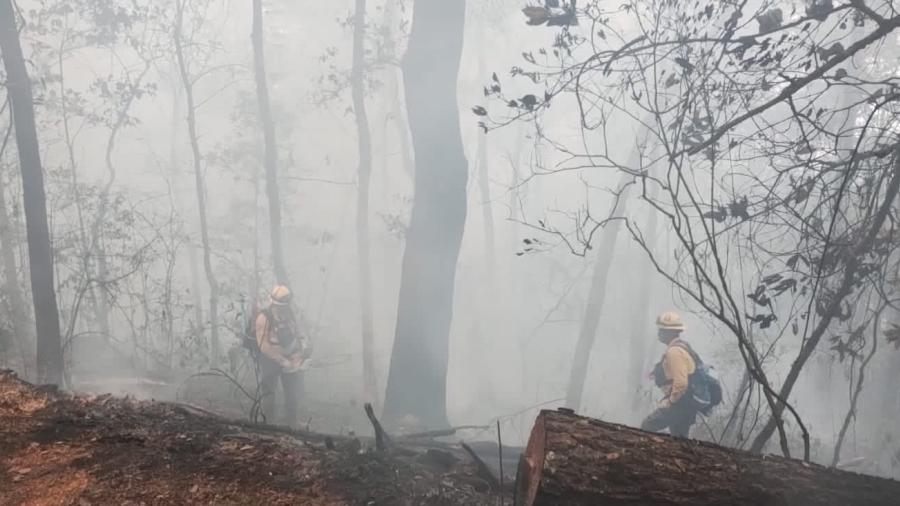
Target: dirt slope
62,450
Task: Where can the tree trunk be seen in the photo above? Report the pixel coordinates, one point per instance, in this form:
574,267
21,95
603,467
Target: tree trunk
487,213
487,210
364,141
200,186
857,390
40,253
15,299
97,248
394,93
86,251
271,146
193,265
594,308
641,331
418,375
572,460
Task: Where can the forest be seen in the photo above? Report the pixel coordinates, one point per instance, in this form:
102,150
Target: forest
449,252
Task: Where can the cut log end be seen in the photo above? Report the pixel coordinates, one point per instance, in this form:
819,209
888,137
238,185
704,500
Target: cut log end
531,466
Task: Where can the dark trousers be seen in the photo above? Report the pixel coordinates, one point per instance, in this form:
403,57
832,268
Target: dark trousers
291,385
678,418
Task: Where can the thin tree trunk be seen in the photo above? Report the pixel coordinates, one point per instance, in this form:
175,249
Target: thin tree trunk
193,265
854,399
200,186
641,314
271,145
512,298
484,185
594,308
40,251
97,247
487,212
394,91
86,250
417,382
15,299
364,140
403,133
255,279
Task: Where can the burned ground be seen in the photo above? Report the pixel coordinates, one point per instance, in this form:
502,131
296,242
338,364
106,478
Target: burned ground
60,449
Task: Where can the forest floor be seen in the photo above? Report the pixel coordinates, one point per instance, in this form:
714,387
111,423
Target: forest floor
60,449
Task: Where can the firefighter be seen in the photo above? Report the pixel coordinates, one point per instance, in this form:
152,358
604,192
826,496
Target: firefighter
282,351
672,374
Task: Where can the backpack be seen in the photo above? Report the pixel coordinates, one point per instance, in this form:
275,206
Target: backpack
286,335
703,386
706,389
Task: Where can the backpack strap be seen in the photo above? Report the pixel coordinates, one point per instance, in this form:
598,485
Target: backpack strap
698,362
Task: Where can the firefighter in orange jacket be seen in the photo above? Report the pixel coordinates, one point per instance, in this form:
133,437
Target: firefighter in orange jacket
672,374
282,353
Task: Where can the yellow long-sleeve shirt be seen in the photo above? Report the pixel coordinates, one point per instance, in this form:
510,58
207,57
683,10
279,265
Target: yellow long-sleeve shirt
678,366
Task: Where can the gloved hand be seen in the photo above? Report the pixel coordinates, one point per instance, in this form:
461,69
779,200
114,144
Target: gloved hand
293,364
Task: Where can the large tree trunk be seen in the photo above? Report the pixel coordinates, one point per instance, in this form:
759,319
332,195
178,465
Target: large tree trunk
418,375
271,146
572,460
364,143
40,253
187,83
594,308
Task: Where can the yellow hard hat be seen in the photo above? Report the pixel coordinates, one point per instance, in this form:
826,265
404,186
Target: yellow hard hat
280,296
670,320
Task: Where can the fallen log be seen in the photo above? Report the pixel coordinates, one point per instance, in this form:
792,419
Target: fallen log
572,460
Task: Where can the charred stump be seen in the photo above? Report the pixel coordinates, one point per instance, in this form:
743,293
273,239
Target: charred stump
574,460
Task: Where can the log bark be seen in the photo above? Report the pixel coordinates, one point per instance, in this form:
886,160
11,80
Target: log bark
574,460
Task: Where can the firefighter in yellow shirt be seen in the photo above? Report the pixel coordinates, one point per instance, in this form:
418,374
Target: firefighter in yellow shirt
282,353
672,374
